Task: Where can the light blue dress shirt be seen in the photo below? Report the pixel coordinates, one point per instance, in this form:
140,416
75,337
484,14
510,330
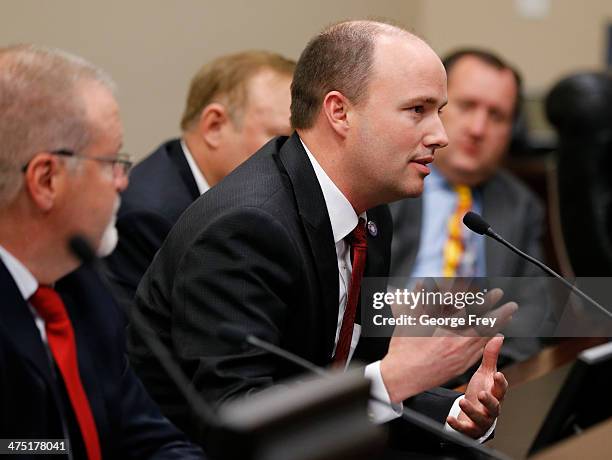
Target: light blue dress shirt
439,203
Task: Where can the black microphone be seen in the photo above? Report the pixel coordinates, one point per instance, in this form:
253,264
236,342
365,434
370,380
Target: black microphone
478,225
235,334
82,249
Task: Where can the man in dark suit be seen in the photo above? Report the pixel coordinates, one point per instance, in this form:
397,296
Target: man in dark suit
63,367
266,247
235,104
484,100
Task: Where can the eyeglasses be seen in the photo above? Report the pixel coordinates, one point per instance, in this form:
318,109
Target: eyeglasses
121,164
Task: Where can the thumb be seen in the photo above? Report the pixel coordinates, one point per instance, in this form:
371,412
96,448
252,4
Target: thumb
491,352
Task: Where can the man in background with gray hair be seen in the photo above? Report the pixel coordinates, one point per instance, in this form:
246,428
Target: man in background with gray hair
63,370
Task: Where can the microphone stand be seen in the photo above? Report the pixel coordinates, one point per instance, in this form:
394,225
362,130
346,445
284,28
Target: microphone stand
233,333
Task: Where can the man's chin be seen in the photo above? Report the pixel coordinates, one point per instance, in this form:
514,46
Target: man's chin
414,191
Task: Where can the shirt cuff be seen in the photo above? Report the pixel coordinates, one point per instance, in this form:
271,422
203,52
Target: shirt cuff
378,411
454,412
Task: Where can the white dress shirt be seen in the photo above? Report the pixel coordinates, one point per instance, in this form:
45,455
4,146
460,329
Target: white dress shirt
344,219
26,283
200,180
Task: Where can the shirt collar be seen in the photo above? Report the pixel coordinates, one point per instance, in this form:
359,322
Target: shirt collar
200,180
25,281
341,214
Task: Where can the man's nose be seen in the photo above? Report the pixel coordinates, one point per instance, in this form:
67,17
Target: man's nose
438,137
121,182
478,123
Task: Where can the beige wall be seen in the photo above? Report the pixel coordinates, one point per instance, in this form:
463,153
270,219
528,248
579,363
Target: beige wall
571,37
153,47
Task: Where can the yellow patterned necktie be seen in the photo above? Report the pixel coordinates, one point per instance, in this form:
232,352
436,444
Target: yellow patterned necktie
455,246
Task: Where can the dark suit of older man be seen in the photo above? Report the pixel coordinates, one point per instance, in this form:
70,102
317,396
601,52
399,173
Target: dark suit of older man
34,400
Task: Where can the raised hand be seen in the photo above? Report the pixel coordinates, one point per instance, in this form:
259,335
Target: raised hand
484,395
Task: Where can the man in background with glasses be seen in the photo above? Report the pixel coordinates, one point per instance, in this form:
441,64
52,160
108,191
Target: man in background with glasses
63,371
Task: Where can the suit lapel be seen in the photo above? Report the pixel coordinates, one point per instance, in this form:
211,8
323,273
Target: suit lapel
494,210
407,220
20,328
313,212
177,156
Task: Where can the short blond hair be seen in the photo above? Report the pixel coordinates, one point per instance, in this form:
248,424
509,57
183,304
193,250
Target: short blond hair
225,80
340,58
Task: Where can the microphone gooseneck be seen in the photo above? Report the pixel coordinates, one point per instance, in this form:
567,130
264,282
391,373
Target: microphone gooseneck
235,334
478,225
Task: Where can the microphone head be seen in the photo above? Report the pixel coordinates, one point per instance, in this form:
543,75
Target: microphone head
232,333
476,223
80,247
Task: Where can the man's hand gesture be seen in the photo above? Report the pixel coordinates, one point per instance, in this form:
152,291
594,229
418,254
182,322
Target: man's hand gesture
484,395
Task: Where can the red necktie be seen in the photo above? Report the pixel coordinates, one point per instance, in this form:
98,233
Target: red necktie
60,337
359,248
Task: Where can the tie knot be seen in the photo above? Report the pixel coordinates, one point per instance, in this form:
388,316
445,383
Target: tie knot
49,305
358,236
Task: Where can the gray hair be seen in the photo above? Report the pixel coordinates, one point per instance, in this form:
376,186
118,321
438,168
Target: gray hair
41,107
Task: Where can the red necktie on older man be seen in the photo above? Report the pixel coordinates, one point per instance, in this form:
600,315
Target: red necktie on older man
60,337
359,247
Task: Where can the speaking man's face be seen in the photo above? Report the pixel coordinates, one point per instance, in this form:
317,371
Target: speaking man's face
397,128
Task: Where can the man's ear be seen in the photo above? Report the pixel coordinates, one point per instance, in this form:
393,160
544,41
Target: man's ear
41,180
336,108
210,125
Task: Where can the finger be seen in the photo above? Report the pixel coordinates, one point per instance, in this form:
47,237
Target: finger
481,308
503,312
503,316
493,296
474,356
490,403
491,353
466,427
479,415
500,386
498,319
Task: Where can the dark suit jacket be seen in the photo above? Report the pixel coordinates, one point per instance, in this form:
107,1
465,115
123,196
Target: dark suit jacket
33,402
256,250
161,188
516,213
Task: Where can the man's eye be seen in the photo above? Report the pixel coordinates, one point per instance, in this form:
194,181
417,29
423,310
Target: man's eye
465,105
418,109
